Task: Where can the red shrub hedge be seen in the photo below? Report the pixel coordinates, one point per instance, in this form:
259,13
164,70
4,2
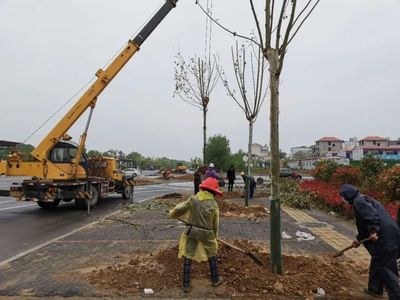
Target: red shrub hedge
328,195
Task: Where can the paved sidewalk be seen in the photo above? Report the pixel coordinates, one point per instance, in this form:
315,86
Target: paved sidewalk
51,270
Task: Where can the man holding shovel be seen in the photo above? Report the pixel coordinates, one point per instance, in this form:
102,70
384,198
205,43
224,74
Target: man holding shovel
200,213
374,222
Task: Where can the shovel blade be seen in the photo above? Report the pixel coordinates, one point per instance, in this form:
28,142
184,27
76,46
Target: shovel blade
255,258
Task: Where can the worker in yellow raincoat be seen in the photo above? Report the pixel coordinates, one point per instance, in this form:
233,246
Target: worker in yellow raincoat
200,213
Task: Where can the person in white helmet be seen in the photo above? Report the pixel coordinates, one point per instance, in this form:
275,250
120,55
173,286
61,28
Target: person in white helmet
211,172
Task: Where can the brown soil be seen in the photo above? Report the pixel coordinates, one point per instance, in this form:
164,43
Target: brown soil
147,181
227,209
232,210
161,271
181,177
169,196
234,195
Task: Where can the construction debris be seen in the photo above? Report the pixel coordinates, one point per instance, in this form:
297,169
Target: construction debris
304,236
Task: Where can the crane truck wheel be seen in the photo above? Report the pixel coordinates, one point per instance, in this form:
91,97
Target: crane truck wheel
49,205
82,203
126,192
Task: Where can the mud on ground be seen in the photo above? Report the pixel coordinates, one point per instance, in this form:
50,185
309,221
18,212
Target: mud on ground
227,208
162,272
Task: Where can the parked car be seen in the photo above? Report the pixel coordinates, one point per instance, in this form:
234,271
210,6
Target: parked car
287,172
131,172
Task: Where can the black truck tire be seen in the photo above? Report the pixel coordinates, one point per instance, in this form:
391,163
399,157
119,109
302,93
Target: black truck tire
126,192
82,203
49,205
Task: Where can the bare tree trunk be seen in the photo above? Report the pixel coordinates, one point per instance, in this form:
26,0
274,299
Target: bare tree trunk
249,161
204,134
275,209
274,122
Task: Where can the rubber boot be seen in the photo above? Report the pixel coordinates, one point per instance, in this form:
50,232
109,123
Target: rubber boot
215,279
187,269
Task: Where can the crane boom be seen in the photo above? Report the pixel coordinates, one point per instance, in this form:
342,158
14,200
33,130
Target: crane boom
104,77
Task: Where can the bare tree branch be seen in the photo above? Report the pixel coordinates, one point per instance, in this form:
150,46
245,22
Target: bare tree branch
190,102
230,93
278,32
257,22
271,21
289,27
302,11
302,22
226,29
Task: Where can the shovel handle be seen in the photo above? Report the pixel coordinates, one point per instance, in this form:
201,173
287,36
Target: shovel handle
351,246
230,245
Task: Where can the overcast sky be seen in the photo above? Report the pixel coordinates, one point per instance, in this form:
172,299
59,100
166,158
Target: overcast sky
340,76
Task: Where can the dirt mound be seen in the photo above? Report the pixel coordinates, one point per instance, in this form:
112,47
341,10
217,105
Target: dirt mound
147,181
235,195
162,271
169,196
183,177
227,209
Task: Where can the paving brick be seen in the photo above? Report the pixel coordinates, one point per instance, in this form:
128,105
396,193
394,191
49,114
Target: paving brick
48,271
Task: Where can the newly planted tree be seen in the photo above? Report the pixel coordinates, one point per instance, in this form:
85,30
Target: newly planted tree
250,92
283,19
195,78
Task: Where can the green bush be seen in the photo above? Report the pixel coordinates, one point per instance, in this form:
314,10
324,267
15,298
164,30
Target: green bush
324,170
389,183
293,196
370,168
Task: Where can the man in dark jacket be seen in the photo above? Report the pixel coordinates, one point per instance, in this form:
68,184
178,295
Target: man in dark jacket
231,178
373,221
196,180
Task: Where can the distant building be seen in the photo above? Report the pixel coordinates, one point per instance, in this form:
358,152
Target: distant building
347,150
394,142
300,152
327,144
374,141
343,151
305,164
260,155
8,144
382,152
309,163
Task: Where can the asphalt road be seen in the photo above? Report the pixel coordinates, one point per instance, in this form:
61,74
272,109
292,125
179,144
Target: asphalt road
24,225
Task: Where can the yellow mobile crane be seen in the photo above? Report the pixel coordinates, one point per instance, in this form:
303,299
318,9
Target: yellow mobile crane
61,171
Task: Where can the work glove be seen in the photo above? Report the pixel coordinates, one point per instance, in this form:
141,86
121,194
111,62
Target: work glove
356,244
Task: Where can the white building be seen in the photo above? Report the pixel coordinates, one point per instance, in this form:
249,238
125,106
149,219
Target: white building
302,151
260,154
327,144
374,141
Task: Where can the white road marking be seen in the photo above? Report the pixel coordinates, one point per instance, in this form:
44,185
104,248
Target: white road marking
1,202
19,255
20,206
